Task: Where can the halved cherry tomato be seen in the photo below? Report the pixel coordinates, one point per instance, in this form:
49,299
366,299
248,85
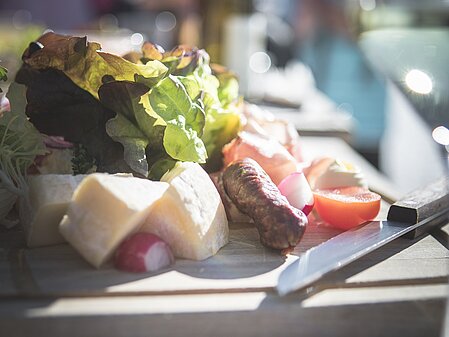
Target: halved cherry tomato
346,207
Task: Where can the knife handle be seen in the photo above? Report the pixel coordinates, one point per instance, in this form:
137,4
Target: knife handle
422,204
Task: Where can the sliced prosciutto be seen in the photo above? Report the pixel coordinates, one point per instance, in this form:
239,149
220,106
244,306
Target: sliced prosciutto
265,124
274,158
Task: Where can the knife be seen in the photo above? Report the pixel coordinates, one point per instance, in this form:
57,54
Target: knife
412,216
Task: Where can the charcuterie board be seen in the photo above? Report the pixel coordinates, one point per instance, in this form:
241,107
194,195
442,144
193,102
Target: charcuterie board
242,265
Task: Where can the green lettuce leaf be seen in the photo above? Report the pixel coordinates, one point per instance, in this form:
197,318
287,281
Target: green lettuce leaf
140,113
20,143
3,74
228,90
132,126
133,140
185,119
86,65
222,115
172,102
191,85
136,127
58,107
160,167
222,125
184,144
181,60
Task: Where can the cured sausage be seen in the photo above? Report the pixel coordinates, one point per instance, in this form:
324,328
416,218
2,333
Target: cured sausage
280,225
232,212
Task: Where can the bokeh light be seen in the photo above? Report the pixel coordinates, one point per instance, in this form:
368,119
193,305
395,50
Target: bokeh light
136,39
441,135
419,81
368,5
21,19
165,21
260,62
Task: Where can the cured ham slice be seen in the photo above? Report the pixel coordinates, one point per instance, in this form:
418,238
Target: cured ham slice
274,158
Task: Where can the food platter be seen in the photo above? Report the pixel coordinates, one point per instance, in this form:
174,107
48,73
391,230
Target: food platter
171,115
242,265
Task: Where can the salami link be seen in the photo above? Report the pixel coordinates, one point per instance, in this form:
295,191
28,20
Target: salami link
280,225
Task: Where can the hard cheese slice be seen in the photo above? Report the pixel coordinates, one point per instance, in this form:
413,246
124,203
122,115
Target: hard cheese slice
190,217
104,210
49,197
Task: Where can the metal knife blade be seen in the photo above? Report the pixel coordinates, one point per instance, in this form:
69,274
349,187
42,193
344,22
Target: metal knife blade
432,205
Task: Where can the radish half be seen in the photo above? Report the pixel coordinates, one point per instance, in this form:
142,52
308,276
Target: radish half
297,191
142,252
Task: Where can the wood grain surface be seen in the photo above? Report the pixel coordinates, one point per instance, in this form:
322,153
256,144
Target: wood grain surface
398,290
60,271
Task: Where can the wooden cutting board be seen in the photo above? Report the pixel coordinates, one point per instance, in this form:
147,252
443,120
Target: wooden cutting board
243,264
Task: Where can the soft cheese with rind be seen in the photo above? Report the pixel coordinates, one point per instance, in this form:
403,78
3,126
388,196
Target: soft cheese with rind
104,210
190,217
49,197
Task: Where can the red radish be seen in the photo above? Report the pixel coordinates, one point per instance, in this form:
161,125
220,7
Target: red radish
297,191
143,252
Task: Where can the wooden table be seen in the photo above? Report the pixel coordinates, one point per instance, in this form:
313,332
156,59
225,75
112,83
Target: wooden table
398,290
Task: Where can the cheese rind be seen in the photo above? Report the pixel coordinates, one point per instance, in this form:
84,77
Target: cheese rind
190,216
104,210
49,197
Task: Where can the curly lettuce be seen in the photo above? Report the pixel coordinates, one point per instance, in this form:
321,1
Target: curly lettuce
85,64
3,75
160,107
20,143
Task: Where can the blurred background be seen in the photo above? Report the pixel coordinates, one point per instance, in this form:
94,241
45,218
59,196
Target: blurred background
374,73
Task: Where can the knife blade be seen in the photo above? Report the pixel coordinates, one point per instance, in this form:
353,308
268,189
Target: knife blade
413,215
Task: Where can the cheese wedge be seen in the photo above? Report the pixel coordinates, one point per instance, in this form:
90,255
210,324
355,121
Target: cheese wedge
104,210
49,196
190,216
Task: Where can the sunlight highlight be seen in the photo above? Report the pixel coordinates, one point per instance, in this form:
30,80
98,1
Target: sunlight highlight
419,81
